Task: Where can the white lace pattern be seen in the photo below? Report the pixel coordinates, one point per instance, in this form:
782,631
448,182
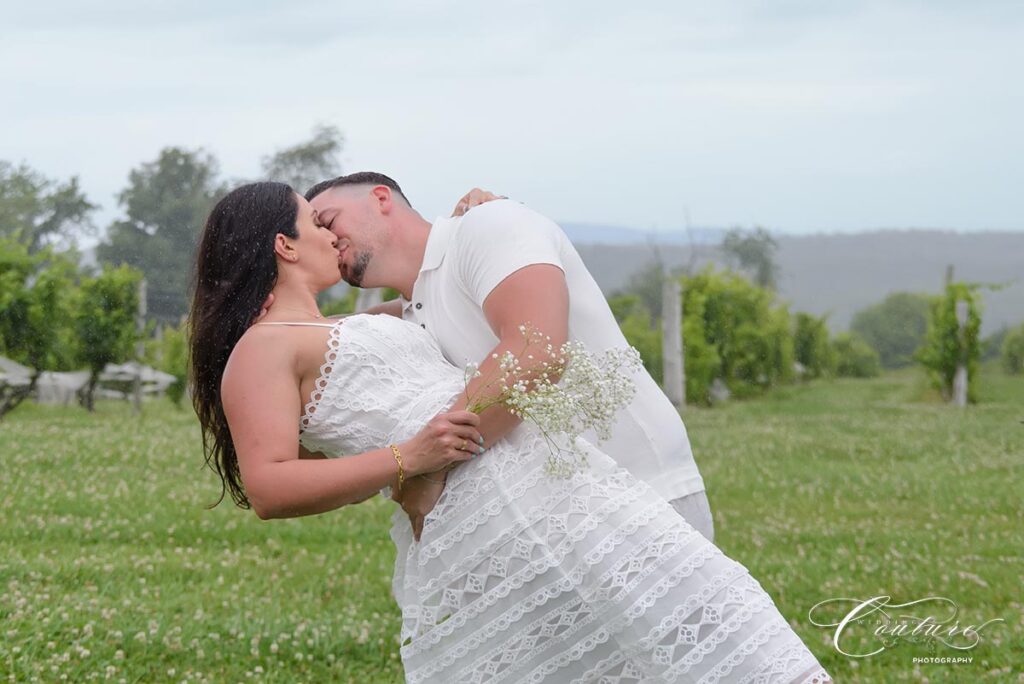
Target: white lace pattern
525,577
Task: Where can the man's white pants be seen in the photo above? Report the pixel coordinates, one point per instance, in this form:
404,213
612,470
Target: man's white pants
695,510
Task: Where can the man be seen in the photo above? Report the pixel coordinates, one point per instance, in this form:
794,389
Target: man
472,281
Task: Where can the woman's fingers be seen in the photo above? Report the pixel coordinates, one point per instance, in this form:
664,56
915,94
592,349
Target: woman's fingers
264,308
463,418
468,439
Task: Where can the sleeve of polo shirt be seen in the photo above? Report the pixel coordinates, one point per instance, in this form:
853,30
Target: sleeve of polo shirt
497,239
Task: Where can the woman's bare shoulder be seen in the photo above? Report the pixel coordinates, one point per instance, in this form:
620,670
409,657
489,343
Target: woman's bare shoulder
262,350
297,349
264,341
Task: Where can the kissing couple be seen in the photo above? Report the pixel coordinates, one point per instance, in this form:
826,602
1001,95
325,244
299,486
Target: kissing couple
504,571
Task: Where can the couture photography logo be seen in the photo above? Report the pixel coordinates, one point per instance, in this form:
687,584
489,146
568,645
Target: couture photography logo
867,627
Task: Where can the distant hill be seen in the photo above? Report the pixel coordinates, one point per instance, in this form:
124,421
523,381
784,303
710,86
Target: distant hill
589,233
843,273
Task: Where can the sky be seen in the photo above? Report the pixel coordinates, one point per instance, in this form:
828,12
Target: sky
824,116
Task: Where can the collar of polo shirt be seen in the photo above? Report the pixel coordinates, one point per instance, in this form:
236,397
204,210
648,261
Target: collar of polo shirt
434,251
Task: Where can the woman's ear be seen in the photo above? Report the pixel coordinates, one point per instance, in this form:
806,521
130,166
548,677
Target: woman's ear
284,248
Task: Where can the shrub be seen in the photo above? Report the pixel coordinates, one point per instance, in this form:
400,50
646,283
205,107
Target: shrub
895,327
703,363
991,346
742,324
638,326
855,358
943,349
169,353
1012,351
811,345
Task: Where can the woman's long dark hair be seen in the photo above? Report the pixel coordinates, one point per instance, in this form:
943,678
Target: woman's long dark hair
236,269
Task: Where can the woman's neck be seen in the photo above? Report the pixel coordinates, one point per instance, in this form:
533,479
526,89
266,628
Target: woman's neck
291,303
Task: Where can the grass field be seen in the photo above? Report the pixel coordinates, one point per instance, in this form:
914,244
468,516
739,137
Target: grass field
112,569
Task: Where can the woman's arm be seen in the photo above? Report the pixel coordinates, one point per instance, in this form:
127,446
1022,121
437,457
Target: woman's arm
474,197
392,307
262,402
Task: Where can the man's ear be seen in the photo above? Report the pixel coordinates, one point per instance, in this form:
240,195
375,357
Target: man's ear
382,195
284,247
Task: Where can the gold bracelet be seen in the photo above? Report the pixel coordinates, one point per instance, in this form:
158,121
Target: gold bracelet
401,468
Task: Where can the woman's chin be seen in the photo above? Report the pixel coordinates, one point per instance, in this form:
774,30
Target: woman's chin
330,282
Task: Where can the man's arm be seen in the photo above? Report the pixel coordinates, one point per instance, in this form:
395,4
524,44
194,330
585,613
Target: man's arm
536,296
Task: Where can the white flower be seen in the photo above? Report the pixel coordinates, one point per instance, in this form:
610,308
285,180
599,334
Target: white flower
590,390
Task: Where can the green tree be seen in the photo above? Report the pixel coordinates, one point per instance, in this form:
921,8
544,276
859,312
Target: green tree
854,357
945,347
753,252
811,346
895,327
303,165
37,211
34,291
165,205
1012,351
104,322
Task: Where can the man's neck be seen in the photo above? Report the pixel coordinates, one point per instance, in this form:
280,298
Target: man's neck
411,251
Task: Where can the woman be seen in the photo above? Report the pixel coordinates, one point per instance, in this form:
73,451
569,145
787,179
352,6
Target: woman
519,576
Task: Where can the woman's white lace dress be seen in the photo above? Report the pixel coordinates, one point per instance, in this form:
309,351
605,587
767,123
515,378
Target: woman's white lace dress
521,576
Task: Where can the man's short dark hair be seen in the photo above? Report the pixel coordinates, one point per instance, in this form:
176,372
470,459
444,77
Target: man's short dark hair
360,178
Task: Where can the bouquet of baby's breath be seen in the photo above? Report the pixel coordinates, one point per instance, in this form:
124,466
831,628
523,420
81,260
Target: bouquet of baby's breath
563,392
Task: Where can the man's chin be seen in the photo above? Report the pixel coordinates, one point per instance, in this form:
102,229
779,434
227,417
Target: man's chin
343,273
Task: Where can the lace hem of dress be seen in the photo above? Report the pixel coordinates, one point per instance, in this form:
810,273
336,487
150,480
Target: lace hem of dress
786,665
741,590
572,579
667,542
435,632
663,656
693,657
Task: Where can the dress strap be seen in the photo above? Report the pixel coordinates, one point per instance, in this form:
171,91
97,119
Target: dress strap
301,323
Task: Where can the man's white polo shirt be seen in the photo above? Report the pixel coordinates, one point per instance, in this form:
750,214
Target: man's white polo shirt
467,257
